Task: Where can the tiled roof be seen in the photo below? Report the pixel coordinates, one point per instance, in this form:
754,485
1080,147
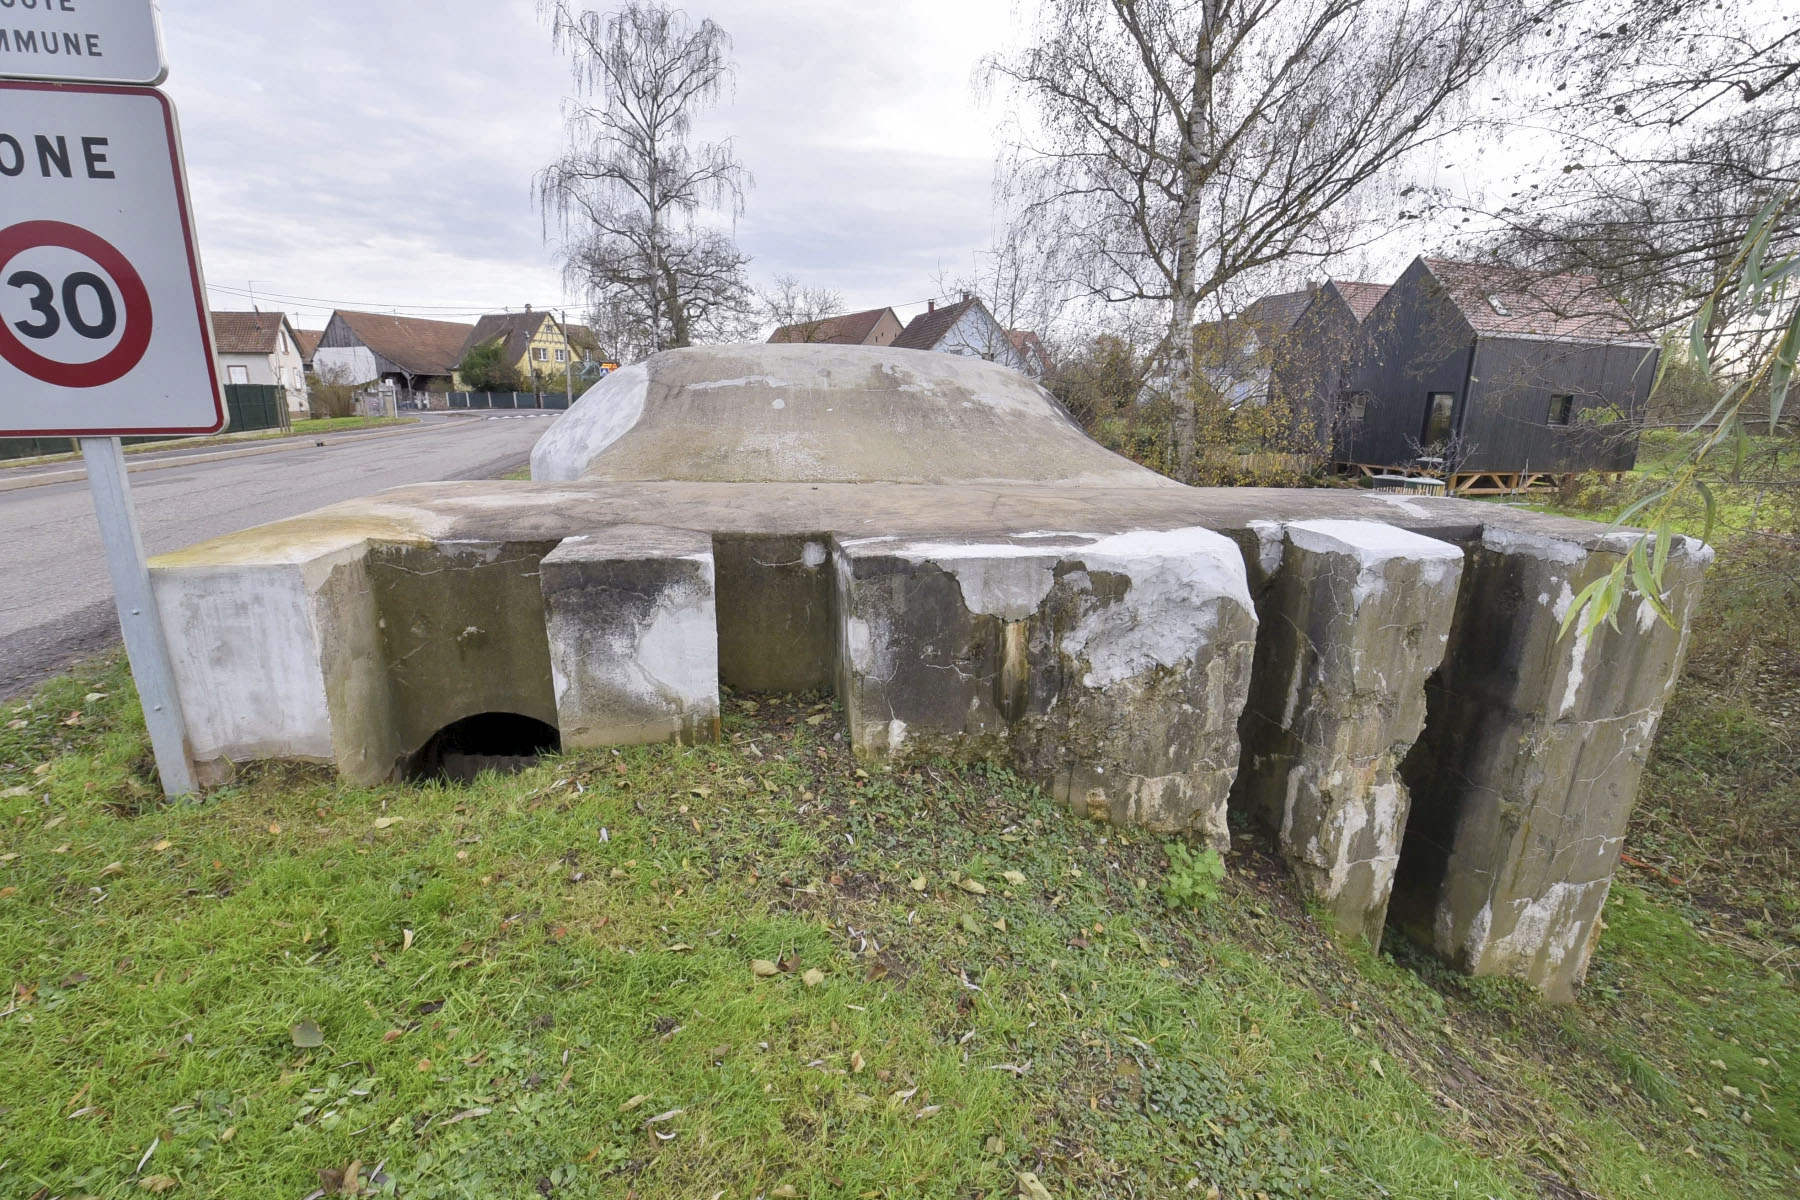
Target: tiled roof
1361,297
246,332
1031,349
1274,315
308,341
514,330
849,329
416,346
1500,301
927,329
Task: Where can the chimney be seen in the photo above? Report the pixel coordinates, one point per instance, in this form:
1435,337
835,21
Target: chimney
965,297
1312,286
528,308
931,306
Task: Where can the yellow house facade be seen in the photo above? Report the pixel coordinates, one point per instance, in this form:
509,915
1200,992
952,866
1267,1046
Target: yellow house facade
536,344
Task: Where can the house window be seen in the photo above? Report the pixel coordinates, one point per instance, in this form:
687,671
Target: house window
1359,406
1562,409
1439,407
1499,305
562,356
541,354
238,375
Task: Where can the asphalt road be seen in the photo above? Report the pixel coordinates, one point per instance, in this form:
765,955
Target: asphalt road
55,598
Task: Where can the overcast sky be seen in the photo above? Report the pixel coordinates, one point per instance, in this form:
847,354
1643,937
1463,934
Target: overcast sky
380,155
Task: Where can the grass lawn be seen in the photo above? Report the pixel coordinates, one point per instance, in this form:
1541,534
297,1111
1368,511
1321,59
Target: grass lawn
318,425
756,970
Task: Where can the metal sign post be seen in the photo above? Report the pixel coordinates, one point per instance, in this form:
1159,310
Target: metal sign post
104,328
145,643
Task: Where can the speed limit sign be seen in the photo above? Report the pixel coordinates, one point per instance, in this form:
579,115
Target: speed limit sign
104,329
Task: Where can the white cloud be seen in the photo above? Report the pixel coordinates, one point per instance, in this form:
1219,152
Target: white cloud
382,155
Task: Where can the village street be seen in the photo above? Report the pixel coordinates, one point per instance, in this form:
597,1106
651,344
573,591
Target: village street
55,599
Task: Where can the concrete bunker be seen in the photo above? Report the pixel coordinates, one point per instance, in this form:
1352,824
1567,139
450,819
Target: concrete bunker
1382,679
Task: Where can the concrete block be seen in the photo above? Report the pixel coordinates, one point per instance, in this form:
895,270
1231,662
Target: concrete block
1354,619
633,633
1525,777
1113,669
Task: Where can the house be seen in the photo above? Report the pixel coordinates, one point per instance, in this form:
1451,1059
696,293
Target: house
1495,377
262,349
876,327
533,343
1234,356
965,327
1031,349
1307,358
406,354
309,345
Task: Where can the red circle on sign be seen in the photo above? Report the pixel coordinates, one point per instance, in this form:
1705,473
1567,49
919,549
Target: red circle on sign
29,235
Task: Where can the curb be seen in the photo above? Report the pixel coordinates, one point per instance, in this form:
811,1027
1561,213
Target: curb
77,474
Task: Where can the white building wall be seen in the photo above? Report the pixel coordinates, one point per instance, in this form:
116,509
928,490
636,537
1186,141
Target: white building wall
977,335
354,365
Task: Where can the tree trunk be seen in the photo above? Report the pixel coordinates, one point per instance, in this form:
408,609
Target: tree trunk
1196,140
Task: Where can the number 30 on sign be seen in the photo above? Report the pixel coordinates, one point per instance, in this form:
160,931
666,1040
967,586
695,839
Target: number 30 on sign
103,321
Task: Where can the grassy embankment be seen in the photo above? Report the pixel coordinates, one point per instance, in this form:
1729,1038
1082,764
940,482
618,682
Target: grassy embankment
754,969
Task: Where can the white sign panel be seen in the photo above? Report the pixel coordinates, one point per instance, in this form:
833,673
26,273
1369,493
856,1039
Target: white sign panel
88,41
103,322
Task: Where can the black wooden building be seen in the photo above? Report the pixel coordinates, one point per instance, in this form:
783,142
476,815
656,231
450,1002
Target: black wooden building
1494,377
1308,360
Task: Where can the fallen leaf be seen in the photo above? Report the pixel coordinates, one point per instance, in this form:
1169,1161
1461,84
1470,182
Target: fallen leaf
994,1146
818,719
14,793
856,1062
677,948
274,828
764,968
1016,878
393,1035
467,1114
918,885
813,978
786,1191
1031,1187
633,1102
406,940
928,1112
93,697
973,886
970,924
162,845
111,869
664,1116
158,1183
387,822
307,1035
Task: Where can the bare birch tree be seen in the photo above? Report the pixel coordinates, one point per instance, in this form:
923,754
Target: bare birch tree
1171,147
631,192
799,308
1671,128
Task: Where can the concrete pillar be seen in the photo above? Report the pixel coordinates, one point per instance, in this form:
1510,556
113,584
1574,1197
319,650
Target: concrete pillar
633,631
1353,620
1113,669
1524,780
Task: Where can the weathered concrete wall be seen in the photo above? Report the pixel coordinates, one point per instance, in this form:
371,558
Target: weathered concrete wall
1355,618
937,539
634,634
775,625
1525,778
1110,668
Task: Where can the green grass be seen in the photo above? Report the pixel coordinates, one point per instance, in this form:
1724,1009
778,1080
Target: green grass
510,980
318,425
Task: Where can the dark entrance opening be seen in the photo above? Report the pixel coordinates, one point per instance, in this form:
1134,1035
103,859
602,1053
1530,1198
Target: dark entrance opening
503,742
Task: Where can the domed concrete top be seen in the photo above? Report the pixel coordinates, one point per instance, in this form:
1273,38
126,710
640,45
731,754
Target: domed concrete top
824,414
